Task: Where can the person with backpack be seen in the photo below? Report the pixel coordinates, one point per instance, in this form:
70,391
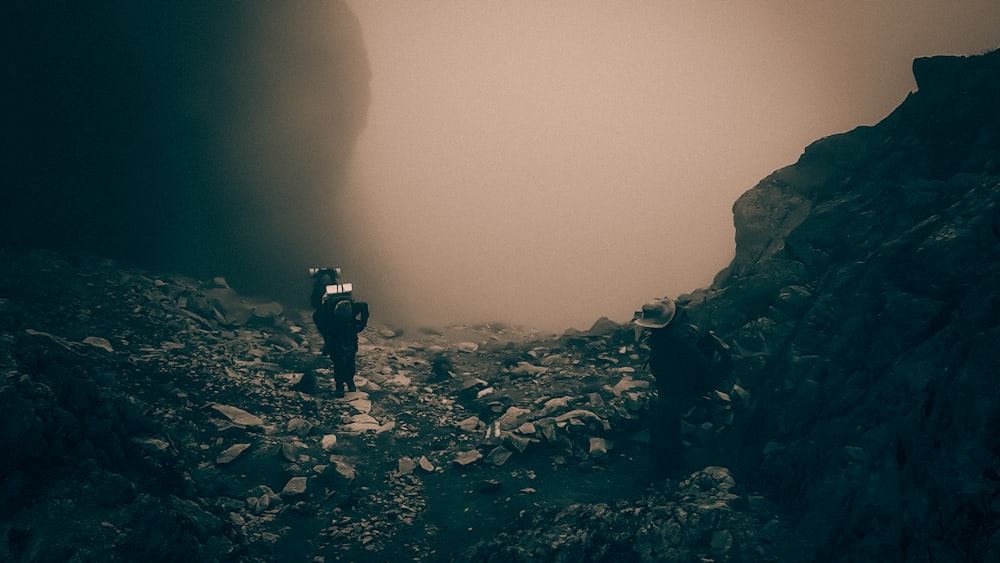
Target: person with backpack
682,371
339,318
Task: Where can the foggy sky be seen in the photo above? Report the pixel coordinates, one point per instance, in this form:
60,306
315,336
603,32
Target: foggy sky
548,163
539,163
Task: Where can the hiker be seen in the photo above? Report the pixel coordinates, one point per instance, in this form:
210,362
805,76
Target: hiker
339,318
681,371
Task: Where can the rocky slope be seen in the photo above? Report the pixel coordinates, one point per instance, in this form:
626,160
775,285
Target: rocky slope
863,299
162,418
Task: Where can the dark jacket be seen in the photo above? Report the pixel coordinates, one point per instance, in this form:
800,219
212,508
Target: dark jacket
341,336
678,365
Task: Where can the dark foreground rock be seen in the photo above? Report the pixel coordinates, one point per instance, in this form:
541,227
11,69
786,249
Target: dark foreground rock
701,518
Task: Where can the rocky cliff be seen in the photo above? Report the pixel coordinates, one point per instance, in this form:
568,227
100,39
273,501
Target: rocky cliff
182,137
863,304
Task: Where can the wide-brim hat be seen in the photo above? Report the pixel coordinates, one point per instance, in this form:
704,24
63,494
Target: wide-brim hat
657,313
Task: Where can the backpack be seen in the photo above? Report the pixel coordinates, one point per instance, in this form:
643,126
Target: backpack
719,354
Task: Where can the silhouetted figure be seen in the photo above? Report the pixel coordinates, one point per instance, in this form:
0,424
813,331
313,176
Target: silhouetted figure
681,371
339,318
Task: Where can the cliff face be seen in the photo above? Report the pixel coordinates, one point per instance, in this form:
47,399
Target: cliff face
203,139
863,304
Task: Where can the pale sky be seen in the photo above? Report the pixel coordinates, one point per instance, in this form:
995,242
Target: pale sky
548,163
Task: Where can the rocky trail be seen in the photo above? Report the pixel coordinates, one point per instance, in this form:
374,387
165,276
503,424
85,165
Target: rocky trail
170,419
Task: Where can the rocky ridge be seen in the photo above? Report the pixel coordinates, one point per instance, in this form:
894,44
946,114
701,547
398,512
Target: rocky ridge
863,303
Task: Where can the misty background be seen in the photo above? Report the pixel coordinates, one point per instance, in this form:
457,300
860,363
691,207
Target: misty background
540,163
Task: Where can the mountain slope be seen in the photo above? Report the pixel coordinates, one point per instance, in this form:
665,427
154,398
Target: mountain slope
863,302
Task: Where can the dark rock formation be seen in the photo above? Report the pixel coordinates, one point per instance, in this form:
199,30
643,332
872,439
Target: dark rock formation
863,302
182,136
701,519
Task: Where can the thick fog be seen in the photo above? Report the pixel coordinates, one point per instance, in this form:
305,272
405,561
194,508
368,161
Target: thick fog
539,163
549,163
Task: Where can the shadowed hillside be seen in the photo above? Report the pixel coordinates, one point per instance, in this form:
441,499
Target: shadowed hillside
863,301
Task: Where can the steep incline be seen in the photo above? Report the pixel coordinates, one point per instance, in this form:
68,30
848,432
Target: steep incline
863,301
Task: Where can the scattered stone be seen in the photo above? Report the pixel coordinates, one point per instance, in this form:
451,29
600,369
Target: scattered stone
238,416
426,465
742,396
526,369
547,428
328,442
583,417
363,418
363,406
498,455
406,466
399,380
512,418
628,384
528,429
554,405
339,472
598,447
296,486
472,385
356,428
553,360
261,498
282,341
230,454
471,424
300,427
152,445
516,442
99,342
467,457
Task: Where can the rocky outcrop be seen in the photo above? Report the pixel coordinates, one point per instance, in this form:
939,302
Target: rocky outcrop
863,304
174,136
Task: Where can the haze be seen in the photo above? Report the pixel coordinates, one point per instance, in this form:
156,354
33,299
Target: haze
549,163
540,163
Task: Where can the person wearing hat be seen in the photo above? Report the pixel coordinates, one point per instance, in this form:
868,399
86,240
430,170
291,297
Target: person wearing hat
680,369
